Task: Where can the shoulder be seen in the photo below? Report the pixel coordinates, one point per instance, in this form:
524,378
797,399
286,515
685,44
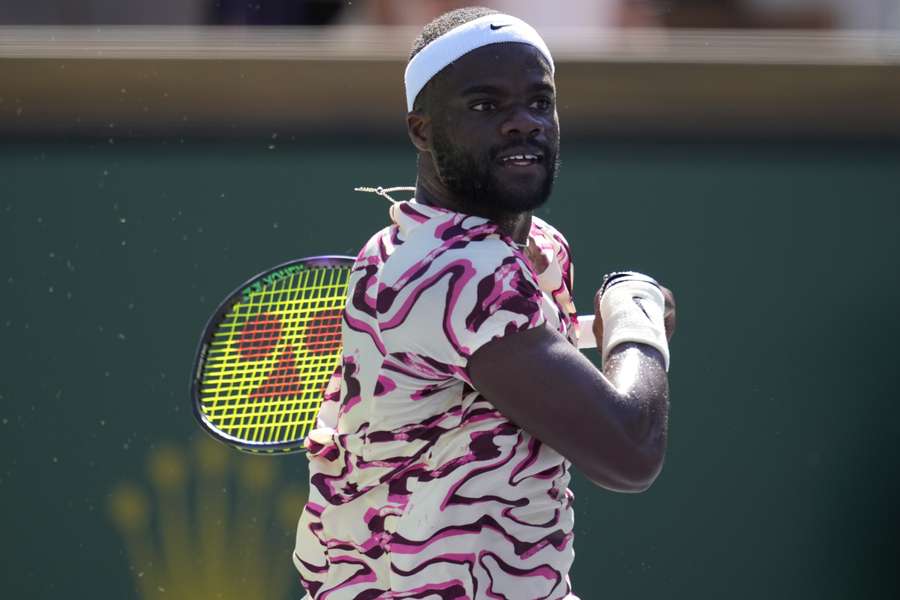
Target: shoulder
378,246
559,275
469,252
446,303
553,244
546,230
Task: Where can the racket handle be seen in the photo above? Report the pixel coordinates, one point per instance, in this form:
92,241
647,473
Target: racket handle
586,337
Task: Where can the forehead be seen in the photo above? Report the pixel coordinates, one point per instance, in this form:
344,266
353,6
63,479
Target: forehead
511,66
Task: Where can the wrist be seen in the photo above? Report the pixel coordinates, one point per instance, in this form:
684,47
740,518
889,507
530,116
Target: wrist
632,308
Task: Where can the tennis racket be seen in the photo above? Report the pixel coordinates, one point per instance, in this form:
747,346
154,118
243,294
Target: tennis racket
269,351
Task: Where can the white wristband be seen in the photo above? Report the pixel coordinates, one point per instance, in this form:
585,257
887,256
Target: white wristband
632,307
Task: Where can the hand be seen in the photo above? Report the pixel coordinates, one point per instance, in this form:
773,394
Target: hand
669,318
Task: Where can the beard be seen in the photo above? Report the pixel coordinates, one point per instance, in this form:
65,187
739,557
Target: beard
472,178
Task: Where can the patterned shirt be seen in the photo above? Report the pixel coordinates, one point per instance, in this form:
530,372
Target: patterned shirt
419,487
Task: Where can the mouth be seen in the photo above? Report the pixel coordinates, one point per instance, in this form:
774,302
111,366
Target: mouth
520,158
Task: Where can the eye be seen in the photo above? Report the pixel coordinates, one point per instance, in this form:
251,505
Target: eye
542,104
483,106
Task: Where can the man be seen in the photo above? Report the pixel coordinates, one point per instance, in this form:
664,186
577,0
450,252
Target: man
440,466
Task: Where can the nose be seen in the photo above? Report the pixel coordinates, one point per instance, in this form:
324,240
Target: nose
522,122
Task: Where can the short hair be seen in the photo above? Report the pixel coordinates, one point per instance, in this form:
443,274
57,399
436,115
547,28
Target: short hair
437,28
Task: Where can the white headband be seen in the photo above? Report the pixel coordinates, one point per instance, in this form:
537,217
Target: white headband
495,28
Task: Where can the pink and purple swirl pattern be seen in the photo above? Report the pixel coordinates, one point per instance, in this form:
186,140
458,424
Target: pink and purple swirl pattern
419,487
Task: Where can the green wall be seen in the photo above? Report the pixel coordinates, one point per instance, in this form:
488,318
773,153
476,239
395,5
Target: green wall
781,478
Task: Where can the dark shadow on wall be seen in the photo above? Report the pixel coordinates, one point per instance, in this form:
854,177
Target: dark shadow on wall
275,12
865,496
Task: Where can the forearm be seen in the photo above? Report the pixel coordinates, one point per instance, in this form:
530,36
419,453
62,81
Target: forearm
618,437
638,374
612,427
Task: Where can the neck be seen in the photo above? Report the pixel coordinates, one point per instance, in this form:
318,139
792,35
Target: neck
430,191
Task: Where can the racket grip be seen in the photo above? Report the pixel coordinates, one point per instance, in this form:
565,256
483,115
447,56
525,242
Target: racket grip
586,337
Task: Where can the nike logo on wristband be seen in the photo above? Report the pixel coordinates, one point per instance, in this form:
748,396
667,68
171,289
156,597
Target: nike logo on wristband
496,27
639,301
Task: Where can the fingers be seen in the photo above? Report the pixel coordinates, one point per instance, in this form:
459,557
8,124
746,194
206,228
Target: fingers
669,315
598,320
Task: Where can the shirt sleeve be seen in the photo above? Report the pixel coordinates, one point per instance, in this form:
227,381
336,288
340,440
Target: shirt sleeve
443,308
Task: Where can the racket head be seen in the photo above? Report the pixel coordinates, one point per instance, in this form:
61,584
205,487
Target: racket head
268,352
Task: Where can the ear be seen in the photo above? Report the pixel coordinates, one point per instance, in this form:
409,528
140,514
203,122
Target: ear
418,127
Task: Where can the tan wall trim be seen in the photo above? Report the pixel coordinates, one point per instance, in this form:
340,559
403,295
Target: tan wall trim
133,81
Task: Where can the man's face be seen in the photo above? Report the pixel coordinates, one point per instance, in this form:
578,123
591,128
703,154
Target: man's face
495,131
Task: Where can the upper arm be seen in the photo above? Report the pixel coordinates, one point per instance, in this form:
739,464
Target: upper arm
611,425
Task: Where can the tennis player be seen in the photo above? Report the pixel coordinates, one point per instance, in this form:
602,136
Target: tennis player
441,461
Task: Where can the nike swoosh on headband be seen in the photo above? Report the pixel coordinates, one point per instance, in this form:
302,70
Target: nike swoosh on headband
483,31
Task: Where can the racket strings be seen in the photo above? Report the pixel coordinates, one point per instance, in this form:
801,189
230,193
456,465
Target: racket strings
273,355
